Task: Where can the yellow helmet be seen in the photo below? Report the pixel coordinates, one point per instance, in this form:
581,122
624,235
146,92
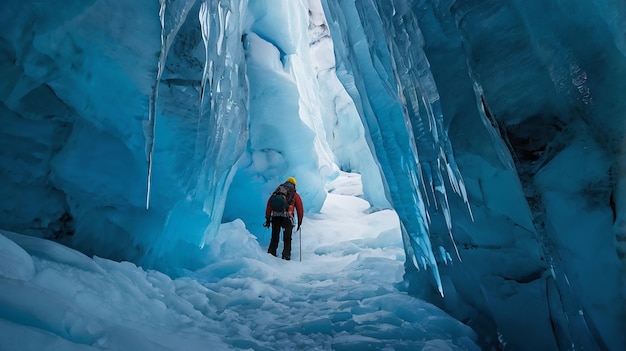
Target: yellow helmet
291,180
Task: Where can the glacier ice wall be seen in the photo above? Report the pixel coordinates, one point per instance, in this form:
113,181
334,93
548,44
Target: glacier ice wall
64,145
512,92
123,123
392,86
563,120
197,121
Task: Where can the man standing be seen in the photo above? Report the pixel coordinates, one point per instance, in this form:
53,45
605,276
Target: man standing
280,213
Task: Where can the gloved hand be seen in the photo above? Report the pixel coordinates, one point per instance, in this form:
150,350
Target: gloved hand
267,223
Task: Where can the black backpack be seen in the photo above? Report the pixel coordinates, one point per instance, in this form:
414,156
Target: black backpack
282,197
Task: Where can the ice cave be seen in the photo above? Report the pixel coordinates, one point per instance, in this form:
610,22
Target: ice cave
462,165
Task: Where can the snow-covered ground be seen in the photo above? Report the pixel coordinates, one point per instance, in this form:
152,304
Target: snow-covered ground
340,294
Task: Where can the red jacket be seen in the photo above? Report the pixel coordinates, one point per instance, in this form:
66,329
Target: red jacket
297,203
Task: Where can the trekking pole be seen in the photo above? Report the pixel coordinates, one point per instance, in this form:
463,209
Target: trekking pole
300,232
265,232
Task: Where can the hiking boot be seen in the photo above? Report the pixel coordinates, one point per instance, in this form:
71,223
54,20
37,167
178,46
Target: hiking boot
272,253
286,258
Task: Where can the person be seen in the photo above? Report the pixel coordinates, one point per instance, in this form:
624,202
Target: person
283,217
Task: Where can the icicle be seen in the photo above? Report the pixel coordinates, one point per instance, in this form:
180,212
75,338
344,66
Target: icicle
220,36
456,249
206,73
453,181
445,207
168,33
150,127
444,257
469,209
415,264
428,258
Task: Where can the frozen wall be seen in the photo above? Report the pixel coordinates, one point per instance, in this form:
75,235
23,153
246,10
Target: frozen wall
432,229
563,119
72,159
529,135
123,123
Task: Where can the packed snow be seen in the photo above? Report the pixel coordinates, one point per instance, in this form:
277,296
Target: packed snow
342,291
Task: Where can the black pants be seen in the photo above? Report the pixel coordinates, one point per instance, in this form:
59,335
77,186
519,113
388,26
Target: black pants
277,224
